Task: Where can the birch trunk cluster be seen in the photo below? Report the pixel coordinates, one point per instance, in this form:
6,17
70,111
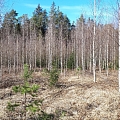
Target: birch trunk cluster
86,44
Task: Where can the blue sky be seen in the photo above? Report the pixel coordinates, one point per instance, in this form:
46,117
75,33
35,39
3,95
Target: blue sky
72,8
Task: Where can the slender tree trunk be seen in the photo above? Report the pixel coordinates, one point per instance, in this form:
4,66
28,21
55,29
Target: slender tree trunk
30,45
8,57
61,50
1,57
14,53
64,59
119,50
49,52
100,51
94,62
40,47
23,49
83,45
50,38
77,45
107,50
35,53
26,46
114,50
74,50
66,54
17,54
90,58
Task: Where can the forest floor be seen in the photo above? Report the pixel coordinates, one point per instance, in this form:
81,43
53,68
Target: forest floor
73,99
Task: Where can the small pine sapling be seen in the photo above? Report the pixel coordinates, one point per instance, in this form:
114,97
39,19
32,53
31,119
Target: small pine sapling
54,75
25,89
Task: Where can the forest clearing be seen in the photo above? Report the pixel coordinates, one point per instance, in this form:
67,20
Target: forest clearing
73,98
52,68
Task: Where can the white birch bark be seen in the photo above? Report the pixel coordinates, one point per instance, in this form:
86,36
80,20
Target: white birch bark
119,49
14,67
114,49
8,52
23,44
26,45
17,54
82,47
94,63
50,37
100,51
35,53
77,44
107,51
40,45
1,58
90,59
61,50
30,45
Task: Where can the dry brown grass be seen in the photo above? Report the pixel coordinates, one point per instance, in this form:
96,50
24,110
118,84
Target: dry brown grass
81,99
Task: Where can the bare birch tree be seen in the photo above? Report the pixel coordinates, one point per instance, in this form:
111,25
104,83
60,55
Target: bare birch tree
119,44
94,62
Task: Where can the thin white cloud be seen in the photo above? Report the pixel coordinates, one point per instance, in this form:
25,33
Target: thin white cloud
73,7
31,5
61,7
87,10
35,5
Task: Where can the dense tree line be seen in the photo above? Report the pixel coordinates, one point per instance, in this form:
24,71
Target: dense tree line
50,39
